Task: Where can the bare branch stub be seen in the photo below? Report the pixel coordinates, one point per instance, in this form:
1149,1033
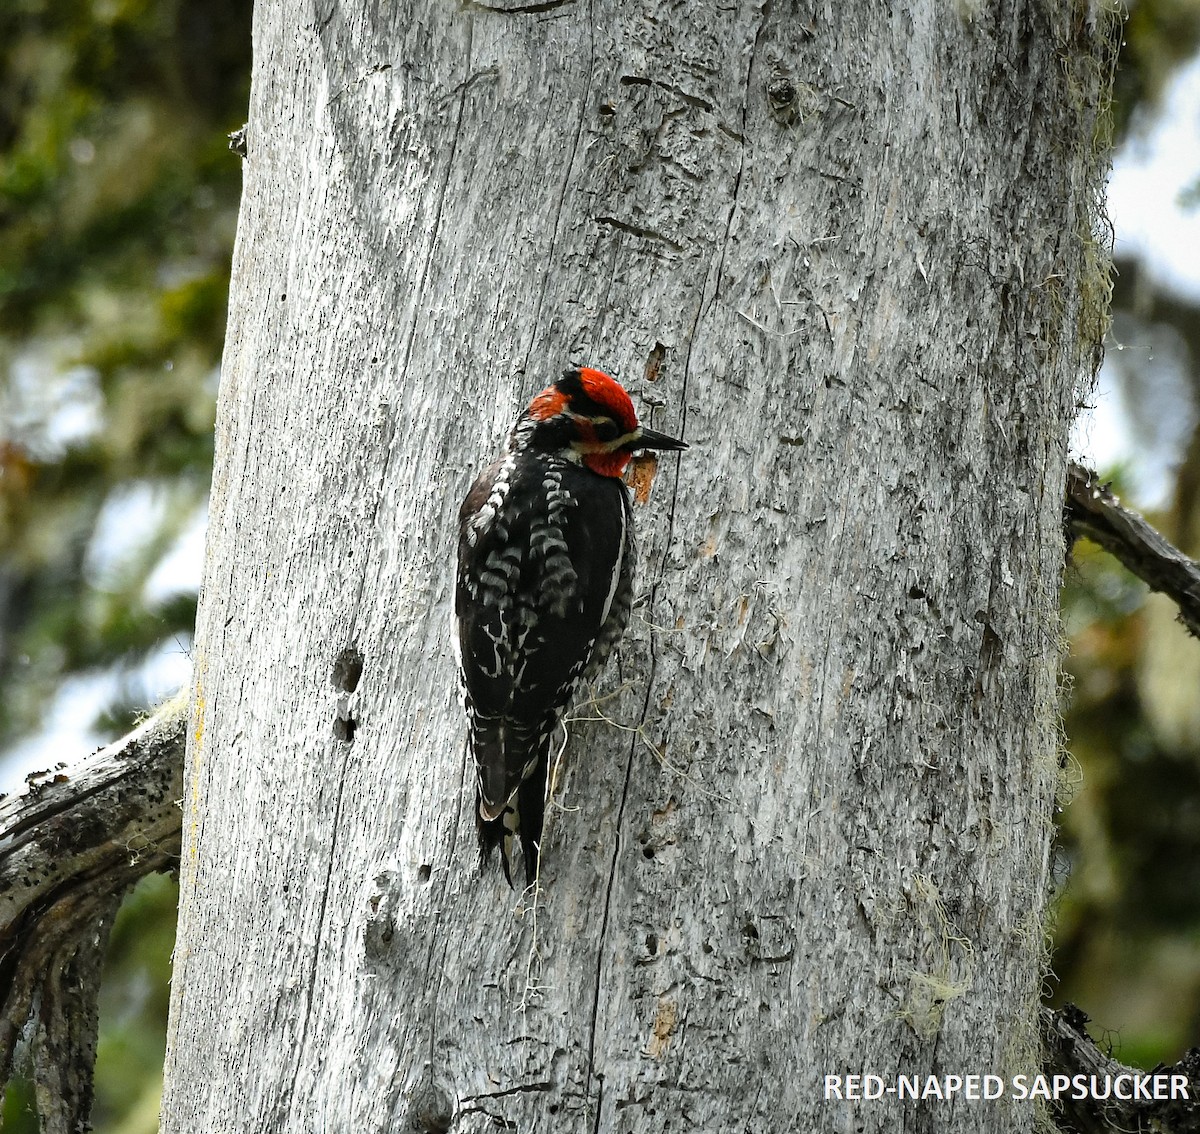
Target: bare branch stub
1093,511
1070,1051
70,847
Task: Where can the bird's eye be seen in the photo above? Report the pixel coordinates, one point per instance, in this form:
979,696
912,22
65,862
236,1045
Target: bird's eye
606,429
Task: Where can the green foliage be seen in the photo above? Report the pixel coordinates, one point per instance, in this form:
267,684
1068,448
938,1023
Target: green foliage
133,1009
118,201
1127,920
17,1115
118,205
1160,35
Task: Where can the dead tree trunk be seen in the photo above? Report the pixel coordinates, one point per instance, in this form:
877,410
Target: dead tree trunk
848,252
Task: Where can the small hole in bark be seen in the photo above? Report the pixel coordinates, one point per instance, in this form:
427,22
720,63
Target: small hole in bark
424,872
749,931
432,1112
345,729
651,944
781,93
647,852
654,362
783,100
607,110
347,669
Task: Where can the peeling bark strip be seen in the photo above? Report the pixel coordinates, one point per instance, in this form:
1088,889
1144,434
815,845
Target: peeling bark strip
1093,511
69,849
805,829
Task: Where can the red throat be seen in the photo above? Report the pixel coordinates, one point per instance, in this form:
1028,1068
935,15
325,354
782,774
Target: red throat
607,464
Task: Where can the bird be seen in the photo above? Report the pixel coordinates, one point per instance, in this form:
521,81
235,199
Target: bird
543,591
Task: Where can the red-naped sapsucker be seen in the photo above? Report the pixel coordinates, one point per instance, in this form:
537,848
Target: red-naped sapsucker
545,583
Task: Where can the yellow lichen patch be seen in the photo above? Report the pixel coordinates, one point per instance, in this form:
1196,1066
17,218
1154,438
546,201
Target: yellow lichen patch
664,1026
198,720
950,962
641,476
198,702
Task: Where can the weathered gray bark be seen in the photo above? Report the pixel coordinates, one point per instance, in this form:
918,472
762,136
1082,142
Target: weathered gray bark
847,249
115,810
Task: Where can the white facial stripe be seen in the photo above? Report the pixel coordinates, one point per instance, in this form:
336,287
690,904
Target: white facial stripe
607,446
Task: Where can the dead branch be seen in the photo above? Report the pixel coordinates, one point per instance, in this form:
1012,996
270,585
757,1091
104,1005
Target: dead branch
70,846
1093,511
1069,1050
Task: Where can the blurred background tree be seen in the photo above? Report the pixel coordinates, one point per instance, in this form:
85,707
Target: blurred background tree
118,205
1126,943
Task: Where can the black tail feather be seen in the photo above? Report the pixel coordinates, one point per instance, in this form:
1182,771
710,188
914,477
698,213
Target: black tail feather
493,833
532,801
522,819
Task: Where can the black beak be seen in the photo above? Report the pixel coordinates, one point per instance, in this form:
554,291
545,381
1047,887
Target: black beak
651,439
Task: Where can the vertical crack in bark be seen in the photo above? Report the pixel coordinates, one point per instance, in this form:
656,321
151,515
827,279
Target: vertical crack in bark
612,878
764,15
444,938
683,393
566,182
383,478
311,983
652,669
435,229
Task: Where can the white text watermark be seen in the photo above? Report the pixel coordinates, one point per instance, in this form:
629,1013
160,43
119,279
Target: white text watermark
1125,1087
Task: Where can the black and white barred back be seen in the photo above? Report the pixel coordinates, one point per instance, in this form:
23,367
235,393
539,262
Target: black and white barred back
543,592
543,616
